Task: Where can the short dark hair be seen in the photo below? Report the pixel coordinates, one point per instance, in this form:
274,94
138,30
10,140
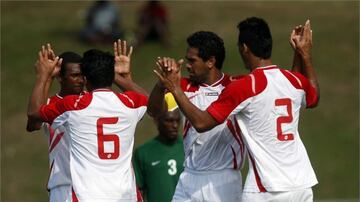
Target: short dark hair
255,33
209,44
68,57
98,68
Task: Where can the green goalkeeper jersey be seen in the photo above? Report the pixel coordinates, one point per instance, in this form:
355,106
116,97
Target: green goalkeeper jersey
157,168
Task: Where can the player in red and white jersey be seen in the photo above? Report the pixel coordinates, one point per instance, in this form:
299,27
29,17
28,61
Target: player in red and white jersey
266,104
71,83
101,126
215,156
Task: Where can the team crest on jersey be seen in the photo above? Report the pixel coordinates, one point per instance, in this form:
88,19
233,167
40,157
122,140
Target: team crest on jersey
211,94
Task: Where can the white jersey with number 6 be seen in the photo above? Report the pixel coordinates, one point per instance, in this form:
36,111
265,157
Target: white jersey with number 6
101,125
267,105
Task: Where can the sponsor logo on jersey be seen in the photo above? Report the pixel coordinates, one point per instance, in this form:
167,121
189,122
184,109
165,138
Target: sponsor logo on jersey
155,163
212,94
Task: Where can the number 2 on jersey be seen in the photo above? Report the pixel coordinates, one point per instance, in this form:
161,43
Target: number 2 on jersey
284,119
102,138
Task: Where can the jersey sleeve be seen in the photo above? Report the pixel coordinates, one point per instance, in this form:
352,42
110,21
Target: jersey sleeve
311,97
231,99
137,101
50,112
139,171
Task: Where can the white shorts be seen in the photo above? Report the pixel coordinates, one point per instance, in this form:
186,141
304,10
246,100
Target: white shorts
213,186
61,193
302,195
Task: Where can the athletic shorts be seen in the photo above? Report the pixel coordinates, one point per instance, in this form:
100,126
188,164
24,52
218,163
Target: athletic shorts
212,186
61,193
302,195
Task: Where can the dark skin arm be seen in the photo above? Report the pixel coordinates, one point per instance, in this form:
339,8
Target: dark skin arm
123,77
301,41
169,75
44,70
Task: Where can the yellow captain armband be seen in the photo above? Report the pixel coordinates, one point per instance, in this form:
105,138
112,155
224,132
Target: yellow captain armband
170,101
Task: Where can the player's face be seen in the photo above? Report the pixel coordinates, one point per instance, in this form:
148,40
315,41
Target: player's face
197,68
73,81
168,125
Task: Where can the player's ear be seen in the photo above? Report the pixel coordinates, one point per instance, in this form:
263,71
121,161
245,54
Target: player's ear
211,62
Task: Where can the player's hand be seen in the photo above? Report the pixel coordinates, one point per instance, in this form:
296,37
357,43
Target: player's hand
52,56
122,57
169,72
44,65
303,40
295,35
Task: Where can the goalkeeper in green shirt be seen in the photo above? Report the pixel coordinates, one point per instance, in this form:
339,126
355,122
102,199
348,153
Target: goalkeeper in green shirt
159,162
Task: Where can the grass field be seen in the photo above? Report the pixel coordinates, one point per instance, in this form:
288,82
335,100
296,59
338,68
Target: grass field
330,132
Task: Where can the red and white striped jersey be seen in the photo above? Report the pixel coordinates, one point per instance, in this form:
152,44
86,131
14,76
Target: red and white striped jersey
101,125
267,104
59,153
217,149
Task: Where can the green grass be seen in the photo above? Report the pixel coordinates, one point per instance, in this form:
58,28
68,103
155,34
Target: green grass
330,132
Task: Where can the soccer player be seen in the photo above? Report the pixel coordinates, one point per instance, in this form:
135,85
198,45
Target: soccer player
159,162
214,157
101,127
266,104
71,83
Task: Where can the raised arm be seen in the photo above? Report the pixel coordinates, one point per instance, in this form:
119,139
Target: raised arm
123,77
303,44
297,60
44,69
169,75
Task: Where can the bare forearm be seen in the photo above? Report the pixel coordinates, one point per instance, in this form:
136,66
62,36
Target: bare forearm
125,83
156,104
309,72
37,99
297,63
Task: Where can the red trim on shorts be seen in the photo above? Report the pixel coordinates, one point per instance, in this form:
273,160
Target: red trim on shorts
257,177
73,196
56,141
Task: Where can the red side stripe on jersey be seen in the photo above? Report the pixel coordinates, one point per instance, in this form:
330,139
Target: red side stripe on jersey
187,126
139,197
52,133
51,167
234,158
73,196
257,177
56,141
232,130
242,145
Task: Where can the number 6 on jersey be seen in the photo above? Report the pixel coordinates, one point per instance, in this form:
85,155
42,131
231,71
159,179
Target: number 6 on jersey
107,138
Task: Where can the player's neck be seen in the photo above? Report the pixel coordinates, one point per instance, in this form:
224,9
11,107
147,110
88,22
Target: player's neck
259,62
213,77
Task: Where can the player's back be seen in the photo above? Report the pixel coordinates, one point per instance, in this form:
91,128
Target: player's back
269,123
102,138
